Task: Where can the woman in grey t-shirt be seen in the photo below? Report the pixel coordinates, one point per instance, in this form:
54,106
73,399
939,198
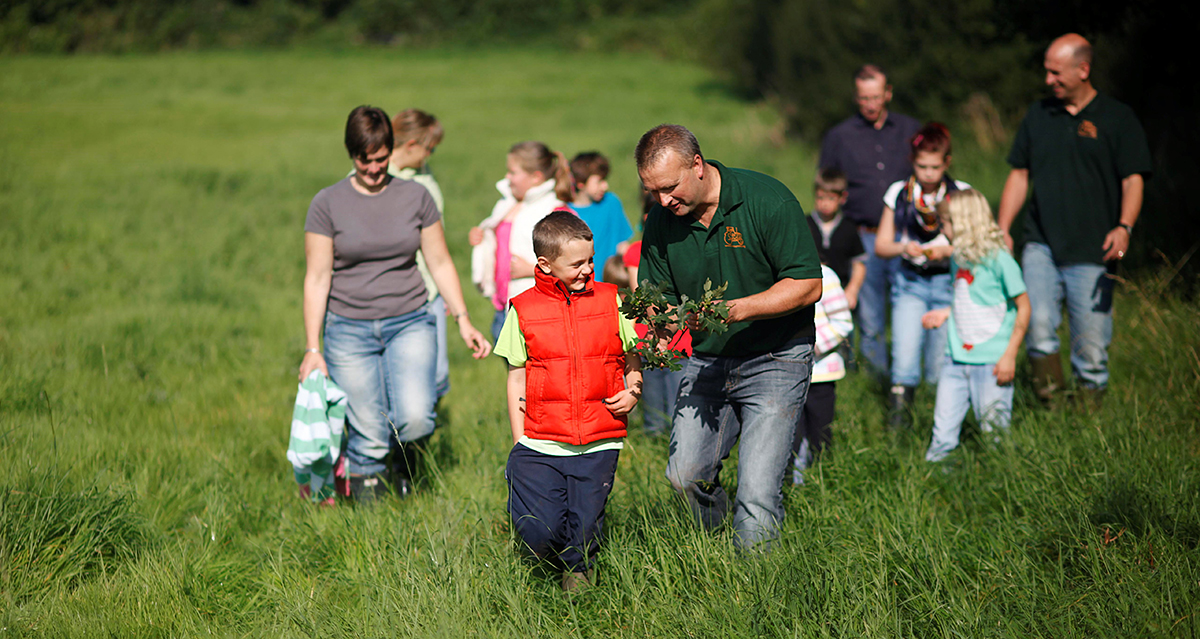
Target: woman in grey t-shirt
362,285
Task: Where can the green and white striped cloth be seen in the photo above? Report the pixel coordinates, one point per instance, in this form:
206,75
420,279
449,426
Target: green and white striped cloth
318,431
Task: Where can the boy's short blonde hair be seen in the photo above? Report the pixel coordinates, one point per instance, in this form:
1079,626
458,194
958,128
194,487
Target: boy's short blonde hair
553,232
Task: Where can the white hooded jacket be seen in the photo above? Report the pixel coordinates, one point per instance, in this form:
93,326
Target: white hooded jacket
539,202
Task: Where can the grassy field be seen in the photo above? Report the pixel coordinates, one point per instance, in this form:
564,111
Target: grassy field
150,283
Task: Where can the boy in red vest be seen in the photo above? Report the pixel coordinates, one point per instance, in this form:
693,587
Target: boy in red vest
571,381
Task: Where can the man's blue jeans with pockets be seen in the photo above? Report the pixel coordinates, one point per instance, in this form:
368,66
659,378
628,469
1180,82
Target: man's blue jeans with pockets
721,400
387,368
1088,290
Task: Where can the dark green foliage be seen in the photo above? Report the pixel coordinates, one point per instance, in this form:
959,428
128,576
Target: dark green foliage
936,54
648,305
141,25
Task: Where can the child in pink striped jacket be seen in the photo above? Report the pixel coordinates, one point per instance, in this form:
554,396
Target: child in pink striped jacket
833,323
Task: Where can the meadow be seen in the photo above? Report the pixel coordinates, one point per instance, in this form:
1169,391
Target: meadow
151,261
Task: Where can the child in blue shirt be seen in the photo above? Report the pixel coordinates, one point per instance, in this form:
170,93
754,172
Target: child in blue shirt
988,315
595,205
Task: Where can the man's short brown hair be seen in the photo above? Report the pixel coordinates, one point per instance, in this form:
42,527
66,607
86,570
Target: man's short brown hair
553,232
587,164
663,138
368,129
832,180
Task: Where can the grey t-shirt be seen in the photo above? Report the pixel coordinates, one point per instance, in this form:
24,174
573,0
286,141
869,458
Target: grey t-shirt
375,242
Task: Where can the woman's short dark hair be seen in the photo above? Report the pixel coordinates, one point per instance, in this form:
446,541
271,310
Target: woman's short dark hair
368,129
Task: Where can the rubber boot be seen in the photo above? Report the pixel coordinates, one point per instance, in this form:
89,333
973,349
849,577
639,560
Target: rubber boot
1047,378
899,400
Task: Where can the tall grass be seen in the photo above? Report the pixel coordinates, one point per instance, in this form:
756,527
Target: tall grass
150,271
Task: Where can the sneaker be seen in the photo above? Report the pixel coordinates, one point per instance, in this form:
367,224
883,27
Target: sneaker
577,581
368,488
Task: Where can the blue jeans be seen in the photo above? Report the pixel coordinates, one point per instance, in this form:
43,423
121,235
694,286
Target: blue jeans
498,324
871,313
721,399
1088,290
437,308
387,369
964,386
660,387
913,295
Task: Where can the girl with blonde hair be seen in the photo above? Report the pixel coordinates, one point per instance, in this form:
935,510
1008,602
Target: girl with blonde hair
988,315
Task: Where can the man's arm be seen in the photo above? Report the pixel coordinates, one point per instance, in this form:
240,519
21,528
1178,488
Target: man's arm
1116,243
782,298
1016,188
516,401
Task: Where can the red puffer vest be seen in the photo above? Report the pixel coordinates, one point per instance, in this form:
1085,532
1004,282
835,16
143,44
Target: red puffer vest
576,360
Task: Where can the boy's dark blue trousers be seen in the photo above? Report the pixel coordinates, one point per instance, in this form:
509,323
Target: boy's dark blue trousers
557,503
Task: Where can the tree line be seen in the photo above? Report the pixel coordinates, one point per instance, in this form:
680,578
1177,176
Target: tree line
972,62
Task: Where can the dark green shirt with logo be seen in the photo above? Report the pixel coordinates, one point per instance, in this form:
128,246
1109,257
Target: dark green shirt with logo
1076,164
757,237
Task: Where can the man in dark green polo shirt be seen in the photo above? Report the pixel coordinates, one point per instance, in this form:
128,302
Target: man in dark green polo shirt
1087,157
746,230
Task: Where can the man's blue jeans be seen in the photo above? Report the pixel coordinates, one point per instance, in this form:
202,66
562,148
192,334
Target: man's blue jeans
964,386
913,295
1088,290
757,399
387,369
871,319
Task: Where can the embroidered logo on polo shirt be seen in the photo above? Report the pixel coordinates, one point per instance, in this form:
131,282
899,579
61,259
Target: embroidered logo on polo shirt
1087,130
733,238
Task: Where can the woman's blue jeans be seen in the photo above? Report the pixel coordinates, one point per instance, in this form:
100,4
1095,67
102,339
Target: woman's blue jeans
913,295
387,369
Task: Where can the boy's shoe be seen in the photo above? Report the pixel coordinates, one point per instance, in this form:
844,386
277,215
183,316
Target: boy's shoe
577,581
368,488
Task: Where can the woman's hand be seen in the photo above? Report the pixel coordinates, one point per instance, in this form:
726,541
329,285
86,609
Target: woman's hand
913,249
475,236
312,361
480,347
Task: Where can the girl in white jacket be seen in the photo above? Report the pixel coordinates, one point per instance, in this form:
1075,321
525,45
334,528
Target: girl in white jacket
538,181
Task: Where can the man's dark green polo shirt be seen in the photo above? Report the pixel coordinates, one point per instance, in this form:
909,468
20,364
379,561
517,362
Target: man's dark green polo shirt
757,237
1076,164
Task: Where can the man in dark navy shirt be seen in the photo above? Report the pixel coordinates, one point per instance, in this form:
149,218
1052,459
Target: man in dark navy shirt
872,149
